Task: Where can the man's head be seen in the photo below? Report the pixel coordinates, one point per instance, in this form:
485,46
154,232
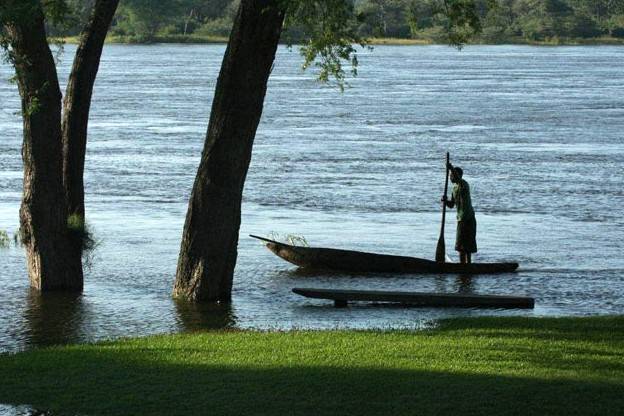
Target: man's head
456,174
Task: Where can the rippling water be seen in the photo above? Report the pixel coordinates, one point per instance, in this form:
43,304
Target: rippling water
538,132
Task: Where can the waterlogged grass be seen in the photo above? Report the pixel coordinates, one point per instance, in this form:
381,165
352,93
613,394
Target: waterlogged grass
292,239
5,240
83,235
484,366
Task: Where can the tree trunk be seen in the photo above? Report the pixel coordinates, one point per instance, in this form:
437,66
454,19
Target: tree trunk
210,237
52,263
77,102
187,21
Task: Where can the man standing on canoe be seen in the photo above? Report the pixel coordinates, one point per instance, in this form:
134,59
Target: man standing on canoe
466,241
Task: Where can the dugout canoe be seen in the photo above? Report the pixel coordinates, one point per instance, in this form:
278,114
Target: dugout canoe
454,300
361,262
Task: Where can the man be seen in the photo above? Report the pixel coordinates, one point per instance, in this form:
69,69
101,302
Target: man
466,240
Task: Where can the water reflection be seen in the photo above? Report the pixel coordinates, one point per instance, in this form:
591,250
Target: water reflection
54,318
8,410
375,189
199,317
441,284
464,283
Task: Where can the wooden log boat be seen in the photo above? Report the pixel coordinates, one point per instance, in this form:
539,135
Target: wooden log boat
458,300
362,262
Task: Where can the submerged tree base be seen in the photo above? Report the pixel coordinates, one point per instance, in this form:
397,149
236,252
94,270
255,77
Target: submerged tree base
478,366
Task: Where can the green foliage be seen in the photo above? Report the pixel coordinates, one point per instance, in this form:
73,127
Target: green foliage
344,23
12,12
383,18
5,241
20,12
217,27
34,105
330,29
461,20
440,21
616,26
80,229
328,36
82,235
56,11
582,26
143,19
478,366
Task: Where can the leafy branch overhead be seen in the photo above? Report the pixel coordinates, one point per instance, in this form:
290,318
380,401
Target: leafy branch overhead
462,19
328,31
13,13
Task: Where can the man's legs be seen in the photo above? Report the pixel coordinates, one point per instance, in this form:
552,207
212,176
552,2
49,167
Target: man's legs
465,258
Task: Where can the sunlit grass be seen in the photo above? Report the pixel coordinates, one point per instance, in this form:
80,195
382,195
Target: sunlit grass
494,366
399,41
156,39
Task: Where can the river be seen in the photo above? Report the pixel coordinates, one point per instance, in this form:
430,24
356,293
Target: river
537,130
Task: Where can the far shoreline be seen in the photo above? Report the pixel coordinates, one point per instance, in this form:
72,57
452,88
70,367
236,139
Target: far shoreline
206,40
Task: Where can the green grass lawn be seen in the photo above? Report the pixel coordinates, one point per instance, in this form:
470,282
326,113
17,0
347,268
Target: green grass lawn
480,366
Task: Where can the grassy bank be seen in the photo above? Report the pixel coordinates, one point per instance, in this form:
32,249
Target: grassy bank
192,39
483,366
511,41
200,39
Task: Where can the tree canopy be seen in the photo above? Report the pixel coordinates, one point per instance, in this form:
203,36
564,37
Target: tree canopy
509,20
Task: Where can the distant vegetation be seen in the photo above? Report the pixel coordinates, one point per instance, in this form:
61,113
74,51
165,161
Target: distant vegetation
508,21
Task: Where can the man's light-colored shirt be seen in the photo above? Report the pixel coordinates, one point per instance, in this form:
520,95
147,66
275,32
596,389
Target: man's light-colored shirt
463,203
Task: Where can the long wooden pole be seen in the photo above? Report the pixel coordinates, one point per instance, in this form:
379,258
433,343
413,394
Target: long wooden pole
441,248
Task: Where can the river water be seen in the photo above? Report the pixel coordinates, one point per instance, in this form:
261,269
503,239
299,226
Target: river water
538,131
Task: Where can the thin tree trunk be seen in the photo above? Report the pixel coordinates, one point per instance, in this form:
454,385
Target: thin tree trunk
188,20
52,263
77,102
210,237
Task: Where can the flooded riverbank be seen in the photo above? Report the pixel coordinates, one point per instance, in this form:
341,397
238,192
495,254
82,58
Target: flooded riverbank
537,131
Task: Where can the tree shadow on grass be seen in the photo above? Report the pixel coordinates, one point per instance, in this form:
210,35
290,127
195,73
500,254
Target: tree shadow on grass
113,381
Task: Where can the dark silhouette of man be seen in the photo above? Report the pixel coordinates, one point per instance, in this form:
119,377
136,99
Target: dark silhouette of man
466,240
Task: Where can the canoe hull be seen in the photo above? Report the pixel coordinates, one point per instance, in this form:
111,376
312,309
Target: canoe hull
362,262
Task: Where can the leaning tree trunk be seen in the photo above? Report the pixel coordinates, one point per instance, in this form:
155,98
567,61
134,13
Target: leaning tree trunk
78,102
210,237
52,263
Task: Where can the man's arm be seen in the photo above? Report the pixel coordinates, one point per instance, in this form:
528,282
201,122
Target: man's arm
449,202
450,166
